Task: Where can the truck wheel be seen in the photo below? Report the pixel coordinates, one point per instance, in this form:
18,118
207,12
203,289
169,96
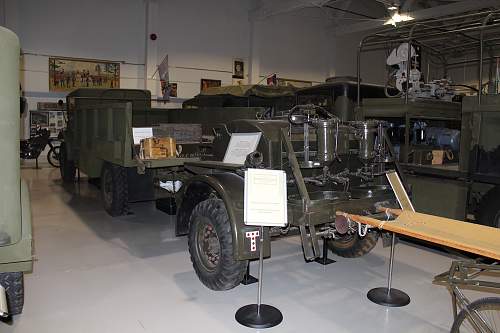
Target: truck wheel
210,244
353,246
14,288
66,167
114,189
489,208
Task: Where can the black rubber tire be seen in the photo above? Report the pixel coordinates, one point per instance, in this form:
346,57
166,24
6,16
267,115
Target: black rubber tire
353,246
488,303
228,272
489,208
66,167
13,283
114,189
53,156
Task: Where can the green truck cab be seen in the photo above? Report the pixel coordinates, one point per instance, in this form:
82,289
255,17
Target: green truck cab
15,216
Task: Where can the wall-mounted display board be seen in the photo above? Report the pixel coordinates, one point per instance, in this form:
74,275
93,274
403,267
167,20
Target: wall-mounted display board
54,121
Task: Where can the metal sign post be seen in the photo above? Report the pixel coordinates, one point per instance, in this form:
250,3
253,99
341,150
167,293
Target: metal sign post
259,315
388,296
265,205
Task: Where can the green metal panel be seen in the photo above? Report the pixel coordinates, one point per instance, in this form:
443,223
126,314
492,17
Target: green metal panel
438,196
10,211
18,257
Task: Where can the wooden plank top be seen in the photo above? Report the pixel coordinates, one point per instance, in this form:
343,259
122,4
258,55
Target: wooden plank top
474,238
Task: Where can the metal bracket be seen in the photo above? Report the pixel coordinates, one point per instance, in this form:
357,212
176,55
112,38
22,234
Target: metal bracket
310,242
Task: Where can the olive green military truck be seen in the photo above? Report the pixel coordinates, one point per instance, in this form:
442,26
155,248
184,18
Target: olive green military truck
15,215
330,165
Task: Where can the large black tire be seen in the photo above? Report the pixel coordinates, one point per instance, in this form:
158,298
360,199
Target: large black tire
53,156
489,310
489,208
114,189
353,246
67,167
14,287
210,244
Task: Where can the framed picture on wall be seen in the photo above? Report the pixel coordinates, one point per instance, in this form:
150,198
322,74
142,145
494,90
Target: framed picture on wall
238,69
68,74
209,83
168,90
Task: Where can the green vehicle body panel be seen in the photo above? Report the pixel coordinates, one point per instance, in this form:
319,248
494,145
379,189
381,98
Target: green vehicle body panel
230,188
15,215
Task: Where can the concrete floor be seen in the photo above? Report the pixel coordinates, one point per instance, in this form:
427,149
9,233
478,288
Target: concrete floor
94,273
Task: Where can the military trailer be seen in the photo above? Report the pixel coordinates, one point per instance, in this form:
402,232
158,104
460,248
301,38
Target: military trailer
330,165
15,217
98,142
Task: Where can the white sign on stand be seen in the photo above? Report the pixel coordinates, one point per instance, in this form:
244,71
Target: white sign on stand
265,202
140,133
240,145
265,206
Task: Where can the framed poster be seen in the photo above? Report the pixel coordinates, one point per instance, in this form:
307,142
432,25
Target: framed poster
208,83
238,69
168,90
68,74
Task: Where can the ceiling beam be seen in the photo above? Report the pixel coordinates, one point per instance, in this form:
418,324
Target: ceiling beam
450,9
268,8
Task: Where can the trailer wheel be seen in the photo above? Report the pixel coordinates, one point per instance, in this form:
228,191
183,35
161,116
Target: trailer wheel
489,208
66,167
114,189
14,288
353,246
210,244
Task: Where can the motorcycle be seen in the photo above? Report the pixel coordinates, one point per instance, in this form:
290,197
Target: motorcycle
32,148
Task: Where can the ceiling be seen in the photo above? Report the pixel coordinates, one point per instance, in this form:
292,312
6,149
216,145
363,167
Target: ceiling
361,15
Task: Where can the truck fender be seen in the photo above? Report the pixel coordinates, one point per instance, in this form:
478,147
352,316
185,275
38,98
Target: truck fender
229,187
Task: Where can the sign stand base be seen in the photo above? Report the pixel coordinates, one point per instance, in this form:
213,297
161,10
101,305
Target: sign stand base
389,296
259,315
250,316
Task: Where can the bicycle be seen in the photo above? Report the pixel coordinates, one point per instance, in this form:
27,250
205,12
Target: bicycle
481,315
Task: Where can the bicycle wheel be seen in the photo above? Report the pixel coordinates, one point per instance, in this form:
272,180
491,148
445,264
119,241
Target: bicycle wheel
53,157
482,315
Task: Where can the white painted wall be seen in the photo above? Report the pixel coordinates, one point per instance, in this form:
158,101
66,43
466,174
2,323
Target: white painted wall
295,45
201,38
344,59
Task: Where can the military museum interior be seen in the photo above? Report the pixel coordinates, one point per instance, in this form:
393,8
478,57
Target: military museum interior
252,165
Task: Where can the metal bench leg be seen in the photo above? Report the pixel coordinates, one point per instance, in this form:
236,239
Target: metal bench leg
388,296
324,260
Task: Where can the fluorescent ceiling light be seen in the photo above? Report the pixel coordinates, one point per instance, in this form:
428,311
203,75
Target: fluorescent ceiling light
396,18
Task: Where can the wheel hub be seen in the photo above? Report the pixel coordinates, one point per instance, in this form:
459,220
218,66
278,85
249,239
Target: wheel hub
208,245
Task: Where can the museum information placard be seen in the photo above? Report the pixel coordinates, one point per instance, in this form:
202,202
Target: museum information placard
265,202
